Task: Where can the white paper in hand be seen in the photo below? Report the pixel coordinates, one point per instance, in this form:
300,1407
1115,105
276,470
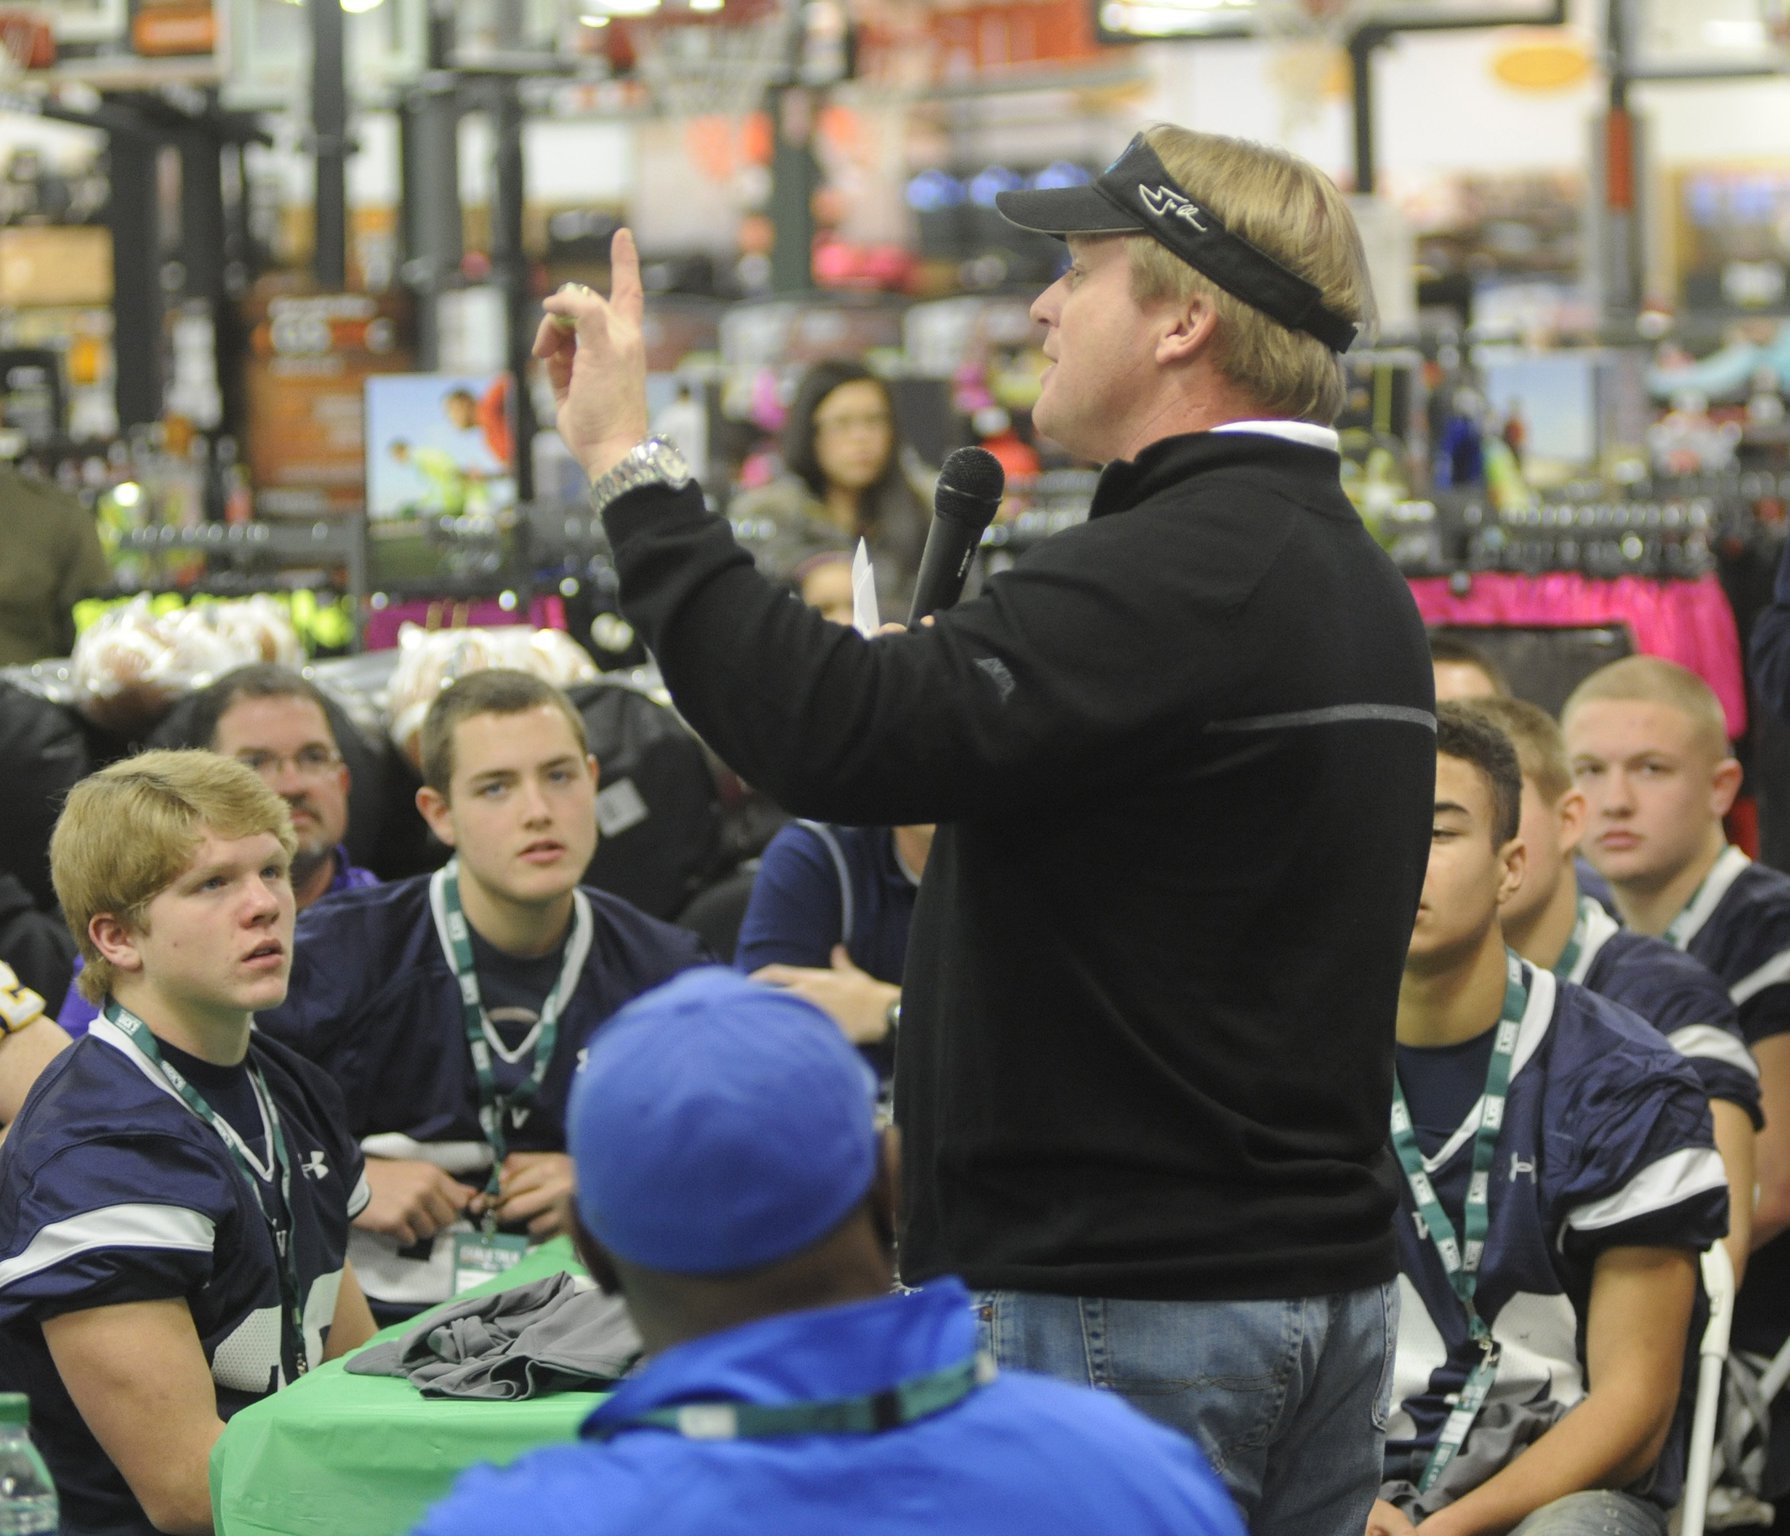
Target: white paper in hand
864,616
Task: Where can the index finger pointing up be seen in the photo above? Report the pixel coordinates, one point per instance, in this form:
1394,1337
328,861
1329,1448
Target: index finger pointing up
625,293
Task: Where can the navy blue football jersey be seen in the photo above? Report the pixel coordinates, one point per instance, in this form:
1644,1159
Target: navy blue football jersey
1678,995
1605,1141
1738,924
112,1191
375,1003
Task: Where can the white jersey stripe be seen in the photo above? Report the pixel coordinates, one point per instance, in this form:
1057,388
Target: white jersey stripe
456,1157
1722,874
111,1226
1709,1042
1675,1178
1774,971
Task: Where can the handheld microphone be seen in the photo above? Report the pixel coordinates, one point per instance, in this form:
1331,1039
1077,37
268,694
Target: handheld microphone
963,505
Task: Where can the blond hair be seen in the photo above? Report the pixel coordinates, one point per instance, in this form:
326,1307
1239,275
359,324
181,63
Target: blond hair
1541,748
130,830
1651,680
1291,211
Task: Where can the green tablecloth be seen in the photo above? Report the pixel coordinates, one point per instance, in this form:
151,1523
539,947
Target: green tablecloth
341,1455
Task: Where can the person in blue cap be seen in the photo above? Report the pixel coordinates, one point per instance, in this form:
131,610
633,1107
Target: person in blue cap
732,1184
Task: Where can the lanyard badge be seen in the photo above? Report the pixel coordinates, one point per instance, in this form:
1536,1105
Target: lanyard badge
275,1205
1462,1253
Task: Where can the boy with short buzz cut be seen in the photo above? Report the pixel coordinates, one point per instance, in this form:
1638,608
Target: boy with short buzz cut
1648,745
176,1192
1463,671
453,1008
1551,924
1559,1181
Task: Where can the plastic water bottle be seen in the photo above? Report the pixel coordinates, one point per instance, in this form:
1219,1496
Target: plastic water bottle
27,1496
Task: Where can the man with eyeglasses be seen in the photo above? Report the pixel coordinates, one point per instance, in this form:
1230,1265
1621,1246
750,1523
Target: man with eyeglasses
274,721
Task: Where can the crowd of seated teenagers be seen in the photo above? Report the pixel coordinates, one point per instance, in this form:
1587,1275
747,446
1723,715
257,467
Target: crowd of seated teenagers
1633,891
1641,777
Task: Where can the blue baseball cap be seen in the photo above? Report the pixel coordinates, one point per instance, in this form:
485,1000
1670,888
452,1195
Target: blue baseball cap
719,1125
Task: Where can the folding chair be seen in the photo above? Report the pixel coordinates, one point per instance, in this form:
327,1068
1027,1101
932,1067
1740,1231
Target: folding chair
1712,1357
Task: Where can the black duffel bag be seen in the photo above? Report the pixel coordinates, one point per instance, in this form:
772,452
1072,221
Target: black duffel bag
44,753
658,809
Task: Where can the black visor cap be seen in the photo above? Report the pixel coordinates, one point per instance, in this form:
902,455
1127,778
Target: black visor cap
1136,195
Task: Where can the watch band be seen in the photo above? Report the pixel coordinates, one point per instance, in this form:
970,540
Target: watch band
655,461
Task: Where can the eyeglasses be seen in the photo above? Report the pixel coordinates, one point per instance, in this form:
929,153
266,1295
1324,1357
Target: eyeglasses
840,426
313,762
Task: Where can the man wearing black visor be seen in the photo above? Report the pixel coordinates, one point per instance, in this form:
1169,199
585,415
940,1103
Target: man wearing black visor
1183,762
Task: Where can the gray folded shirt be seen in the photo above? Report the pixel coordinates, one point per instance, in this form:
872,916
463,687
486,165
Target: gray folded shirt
551,1336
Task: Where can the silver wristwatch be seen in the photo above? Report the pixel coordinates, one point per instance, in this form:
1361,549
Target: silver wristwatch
653,462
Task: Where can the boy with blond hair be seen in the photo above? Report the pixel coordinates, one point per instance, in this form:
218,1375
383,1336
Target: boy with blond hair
1648,748
176,1192
1551,923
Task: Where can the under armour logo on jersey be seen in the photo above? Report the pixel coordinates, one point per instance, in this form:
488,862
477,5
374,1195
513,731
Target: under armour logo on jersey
1518,1168
315,1167
1162,201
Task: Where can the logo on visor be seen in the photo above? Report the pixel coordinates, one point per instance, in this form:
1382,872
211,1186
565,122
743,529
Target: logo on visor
1162,202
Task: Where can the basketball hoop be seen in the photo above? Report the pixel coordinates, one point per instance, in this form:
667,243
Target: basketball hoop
1306,39
27,42
713,63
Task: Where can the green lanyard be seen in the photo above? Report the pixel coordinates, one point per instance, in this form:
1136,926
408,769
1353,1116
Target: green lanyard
1461,1255
495,1107
279,1221
1569,959
919,1397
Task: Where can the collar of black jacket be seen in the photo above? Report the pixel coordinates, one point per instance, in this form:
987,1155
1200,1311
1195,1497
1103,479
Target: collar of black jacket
1308,473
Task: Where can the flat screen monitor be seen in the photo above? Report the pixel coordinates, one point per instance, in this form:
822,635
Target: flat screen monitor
438,445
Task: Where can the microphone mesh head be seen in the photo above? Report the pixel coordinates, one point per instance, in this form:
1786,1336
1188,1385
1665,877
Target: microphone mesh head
974,472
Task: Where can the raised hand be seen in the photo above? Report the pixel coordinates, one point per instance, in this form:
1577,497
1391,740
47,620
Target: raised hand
596,361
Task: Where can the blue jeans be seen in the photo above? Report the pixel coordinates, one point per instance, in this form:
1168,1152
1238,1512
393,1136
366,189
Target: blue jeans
1598,1512
1288,1399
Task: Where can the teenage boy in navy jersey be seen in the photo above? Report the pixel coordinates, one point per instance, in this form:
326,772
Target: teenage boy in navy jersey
828,918
175,1194
1648,745
453,1008
275,721
1559,1179
1551,924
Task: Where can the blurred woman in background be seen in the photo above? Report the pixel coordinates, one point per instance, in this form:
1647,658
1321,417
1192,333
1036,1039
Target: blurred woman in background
846,476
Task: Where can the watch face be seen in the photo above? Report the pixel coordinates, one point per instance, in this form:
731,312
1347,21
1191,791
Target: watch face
667,461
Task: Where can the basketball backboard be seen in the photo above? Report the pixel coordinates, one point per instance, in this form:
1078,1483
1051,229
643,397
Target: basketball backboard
1717,35
1119,20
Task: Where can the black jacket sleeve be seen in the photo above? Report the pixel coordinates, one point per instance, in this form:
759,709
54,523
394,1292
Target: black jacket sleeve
1064,671
1768,652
